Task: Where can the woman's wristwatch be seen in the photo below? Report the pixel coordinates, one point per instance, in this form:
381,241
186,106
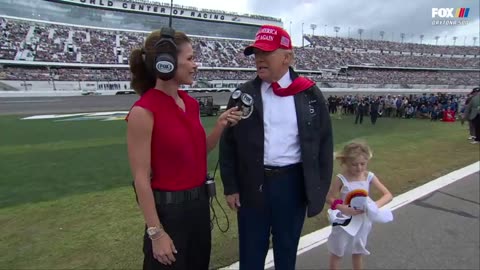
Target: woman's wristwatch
155,232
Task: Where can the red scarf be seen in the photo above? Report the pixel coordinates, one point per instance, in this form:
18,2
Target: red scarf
298,85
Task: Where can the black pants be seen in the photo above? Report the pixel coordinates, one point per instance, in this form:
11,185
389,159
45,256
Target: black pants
188,224
373,117
476,127
359,116
282,216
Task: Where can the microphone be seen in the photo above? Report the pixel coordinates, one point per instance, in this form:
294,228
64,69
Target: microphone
243,101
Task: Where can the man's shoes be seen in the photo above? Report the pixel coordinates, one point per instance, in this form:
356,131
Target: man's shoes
471,138
475,142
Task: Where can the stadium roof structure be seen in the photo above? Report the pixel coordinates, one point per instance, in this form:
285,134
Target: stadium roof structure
202,9
136,15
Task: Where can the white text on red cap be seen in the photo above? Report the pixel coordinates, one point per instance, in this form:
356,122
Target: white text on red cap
267,31
264,37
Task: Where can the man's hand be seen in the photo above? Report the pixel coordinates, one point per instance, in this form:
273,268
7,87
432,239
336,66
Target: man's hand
233,201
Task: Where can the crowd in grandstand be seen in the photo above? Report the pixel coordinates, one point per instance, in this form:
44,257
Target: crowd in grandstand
332,42
354,76
47,42
57,43
406,77
64,74
330,58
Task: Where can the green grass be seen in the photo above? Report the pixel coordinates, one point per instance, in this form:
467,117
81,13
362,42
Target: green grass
66,199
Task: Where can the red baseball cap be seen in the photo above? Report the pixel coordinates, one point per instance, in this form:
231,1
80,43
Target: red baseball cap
270,38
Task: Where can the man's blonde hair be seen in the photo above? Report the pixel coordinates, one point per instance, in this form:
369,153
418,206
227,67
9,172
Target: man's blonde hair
291,56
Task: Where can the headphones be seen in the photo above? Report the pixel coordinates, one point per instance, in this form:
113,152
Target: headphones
165,63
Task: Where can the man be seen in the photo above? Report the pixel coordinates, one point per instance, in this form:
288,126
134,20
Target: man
374,107
277,164
472,113
360,111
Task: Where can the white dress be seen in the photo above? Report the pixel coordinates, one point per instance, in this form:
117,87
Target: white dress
341,243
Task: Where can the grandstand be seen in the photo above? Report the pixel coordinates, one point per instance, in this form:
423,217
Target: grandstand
66,46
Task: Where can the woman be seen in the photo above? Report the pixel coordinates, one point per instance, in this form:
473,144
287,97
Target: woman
167,149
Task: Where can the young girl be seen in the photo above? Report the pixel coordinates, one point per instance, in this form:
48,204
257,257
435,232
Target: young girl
354,159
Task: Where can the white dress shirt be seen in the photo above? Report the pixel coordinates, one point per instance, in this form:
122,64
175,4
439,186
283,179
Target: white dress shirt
281,144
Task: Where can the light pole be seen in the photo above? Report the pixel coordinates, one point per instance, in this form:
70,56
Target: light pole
325,30
421,38
402,36
454,40
302,35
336,29
474,41
360,32
382,33
313,27
290,28
436,39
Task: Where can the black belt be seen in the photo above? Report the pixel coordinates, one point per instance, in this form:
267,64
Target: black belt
274,170
177,197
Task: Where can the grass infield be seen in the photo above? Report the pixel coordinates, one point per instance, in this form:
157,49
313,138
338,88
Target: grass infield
66,199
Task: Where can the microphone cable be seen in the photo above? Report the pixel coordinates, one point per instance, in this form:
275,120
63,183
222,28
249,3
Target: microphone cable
214,216
241,99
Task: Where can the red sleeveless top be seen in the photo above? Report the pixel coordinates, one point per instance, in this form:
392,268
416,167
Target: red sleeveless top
179,144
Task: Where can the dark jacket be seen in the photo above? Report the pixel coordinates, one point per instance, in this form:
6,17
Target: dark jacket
242,148
473,107
374,106
362,107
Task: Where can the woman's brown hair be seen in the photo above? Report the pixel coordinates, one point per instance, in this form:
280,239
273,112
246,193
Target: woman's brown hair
141,61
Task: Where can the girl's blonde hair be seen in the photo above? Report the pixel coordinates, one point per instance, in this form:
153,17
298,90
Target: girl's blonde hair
353,150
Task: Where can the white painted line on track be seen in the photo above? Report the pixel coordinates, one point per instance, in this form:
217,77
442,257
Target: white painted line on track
317,238
30,101
55,116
